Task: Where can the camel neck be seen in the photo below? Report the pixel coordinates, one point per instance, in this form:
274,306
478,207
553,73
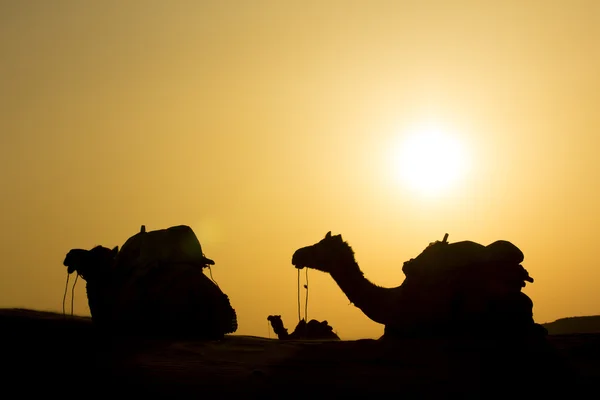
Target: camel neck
375,301
280,331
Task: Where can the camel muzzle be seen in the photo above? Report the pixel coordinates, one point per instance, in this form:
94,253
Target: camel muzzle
301,257
73,259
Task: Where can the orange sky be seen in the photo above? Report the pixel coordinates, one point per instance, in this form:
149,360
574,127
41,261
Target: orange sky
265,124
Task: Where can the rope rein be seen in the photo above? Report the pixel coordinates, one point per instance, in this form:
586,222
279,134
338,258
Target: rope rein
65,295
306,301
209,270
72,293
211,277
299,318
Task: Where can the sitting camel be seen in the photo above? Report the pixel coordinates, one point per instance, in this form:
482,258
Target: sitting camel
154,284
450,288
314,330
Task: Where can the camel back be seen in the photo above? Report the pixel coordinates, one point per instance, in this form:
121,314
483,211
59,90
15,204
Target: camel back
450,257
147,250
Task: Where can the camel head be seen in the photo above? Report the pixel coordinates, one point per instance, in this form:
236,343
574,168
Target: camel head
275,321
277,324
90,263
324,255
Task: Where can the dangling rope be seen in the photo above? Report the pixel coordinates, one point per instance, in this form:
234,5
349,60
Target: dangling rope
65,295
207,265
73,292
211,277
299,319
306,301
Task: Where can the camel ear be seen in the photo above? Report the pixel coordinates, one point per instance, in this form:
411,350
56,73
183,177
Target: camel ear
328,236
115,250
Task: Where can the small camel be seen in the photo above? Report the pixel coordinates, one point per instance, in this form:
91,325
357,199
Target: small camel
314,330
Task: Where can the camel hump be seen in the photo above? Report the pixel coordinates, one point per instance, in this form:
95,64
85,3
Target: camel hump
177,244
445,256
500,251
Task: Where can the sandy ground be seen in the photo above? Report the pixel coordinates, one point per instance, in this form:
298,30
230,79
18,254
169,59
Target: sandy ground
48,354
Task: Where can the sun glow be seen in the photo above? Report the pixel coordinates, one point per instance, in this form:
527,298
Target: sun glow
430,160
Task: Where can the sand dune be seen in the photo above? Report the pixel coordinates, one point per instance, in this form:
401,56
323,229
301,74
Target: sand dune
46,353
581,324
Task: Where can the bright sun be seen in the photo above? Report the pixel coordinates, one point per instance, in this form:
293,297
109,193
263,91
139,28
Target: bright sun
430,160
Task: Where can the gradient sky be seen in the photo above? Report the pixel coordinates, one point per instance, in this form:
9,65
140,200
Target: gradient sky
265,124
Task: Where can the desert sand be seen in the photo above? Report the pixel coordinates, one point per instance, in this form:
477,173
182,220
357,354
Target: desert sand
47,353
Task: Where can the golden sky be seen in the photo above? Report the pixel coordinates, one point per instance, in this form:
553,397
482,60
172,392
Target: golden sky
265,124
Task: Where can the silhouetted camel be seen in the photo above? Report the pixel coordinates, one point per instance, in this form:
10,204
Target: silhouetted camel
314,330
458,288
155,284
